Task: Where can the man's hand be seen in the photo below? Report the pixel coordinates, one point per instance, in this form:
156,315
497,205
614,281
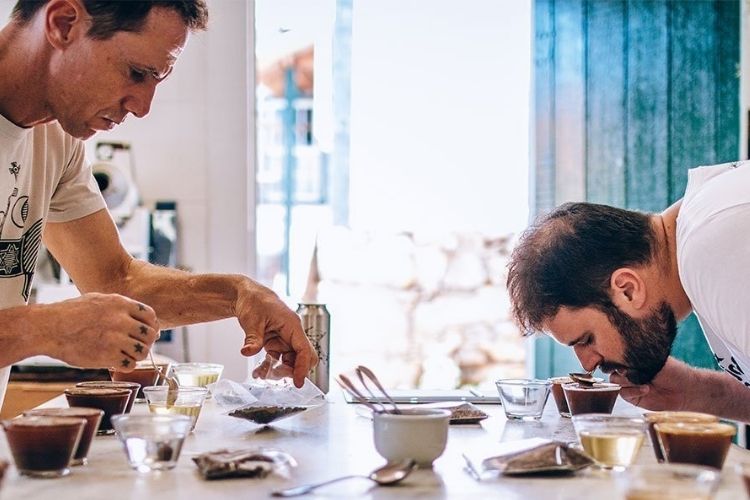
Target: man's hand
99,330
268,323
668,390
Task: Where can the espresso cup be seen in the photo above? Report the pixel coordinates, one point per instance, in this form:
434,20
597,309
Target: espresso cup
419,434
43,446
599,398
700,444
93,417
659,417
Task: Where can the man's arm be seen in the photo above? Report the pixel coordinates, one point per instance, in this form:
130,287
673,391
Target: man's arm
679,386
90,251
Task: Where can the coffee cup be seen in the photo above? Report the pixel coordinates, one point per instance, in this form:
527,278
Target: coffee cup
110,401
93,417
559,395
144,376
688,417
700,444
133,387
419,434
43,446
597,398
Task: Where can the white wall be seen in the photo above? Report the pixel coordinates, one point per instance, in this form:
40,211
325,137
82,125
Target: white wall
195,147
440,114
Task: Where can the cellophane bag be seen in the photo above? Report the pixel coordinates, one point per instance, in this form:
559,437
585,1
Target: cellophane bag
267,397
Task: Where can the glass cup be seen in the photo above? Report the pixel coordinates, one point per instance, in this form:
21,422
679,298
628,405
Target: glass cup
523,398
43,446
108,384
197,374
110,401
667,482
186,401
610,440
152,442
688,417
599,398
700,444
93,418
559,396
144,376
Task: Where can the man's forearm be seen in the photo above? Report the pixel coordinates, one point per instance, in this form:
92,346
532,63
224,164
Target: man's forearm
720,394
20,335
181,298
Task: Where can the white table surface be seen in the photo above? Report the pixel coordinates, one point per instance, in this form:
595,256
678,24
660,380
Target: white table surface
327,442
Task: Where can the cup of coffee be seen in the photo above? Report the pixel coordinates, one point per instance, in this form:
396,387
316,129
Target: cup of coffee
419,434
559,396
92,416
688,417
110,401
143,375
43,446
597,398
700,444
133,387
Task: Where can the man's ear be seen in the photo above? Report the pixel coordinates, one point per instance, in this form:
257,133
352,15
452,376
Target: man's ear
628,290
64,21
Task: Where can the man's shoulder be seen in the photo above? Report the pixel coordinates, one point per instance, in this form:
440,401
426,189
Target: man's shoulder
52,142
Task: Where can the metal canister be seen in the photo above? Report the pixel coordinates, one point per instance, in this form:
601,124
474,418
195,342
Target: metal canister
316,322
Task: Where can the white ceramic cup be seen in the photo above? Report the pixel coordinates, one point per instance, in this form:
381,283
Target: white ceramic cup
419,434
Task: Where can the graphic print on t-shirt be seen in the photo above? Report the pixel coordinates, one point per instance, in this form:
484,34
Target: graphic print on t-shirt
18,255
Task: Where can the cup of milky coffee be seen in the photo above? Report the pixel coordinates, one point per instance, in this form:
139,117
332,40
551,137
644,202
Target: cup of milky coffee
596,398
93,417
43,446
688,417
701,444
110,401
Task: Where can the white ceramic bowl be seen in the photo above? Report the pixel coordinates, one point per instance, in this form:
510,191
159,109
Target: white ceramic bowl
419,434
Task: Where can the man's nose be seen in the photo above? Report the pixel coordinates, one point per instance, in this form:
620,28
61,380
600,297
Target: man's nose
138,102
588,357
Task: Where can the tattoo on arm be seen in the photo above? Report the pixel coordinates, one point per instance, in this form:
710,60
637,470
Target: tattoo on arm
138,347
144,330
125,362
141,307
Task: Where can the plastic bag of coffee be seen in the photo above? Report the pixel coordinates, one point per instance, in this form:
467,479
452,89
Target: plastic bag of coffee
252,463
531,456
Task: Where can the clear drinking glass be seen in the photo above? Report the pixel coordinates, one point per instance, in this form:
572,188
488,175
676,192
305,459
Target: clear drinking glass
197,374
667,482
523,398
186,401
612,441
152,442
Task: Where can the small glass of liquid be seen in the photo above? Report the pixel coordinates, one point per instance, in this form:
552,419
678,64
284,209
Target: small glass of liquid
611,441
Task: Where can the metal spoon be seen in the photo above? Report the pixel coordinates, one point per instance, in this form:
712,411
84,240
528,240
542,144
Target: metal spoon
585,379
386,475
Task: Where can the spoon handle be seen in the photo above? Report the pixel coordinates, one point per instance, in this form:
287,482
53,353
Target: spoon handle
307,488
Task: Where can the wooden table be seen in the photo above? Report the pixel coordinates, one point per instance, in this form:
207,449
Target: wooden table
327,442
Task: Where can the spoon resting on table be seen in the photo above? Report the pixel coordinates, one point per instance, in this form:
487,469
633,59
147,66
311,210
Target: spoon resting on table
388,474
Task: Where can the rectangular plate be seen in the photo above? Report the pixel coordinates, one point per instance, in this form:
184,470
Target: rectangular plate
416,396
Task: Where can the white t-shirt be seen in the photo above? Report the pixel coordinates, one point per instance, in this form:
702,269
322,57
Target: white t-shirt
43,177
713,258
